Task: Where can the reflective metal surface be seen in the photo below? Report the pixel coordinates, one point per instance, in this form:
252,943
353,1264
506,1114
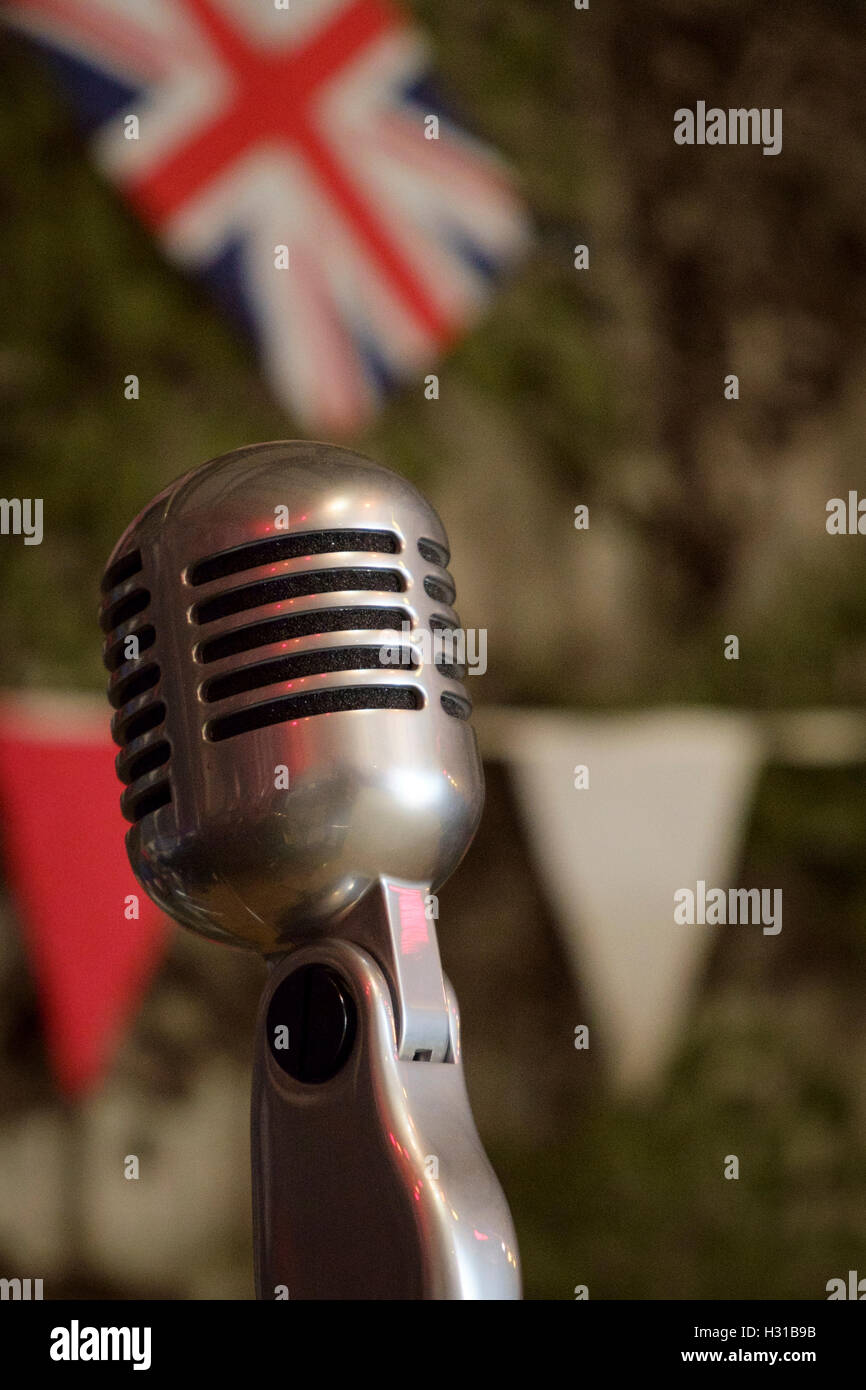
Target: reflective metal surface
370,791
375,1185
295,788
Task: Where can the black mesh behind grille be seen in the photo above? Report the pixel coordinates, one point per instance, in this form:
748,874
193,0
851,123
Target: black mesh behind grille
456,706
138,678
289,707
122,569
433,552
286,586
115,654
318,663
133,685
124,608
439,589
276,548
130,768
136,725
287,626
141,805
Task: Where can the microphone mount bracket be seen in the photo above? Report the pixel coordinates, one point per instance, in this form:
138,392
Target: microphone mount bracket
392,922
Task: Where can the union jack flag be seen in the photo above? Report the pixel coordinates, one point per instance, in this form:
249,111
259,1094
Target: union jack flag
297,124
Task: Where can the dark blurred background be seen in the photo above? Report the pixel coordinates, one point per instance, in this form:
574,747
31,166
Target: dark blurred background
602,387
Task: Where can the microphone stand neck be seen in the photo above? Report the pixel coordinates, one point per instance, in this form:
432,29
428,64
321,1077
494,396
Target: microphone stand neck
369,1179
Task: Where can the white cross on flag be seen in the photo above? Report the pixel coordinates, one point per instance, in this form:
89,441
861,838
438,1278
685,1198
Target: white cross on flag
301,125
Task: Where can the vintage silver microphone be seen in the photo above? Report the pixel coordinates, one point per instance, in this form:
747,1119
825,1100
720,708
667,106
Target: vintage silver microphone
301,776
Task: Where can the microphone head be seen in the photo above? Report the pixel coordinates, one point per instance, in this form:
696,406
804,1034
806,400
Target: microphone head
289,729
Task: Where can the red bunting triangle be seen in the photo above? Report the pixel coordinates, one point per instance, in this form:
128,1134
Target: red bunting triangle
66,867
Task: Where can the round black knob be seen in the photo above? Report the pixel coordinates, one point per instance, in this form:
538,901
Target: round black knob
311,1024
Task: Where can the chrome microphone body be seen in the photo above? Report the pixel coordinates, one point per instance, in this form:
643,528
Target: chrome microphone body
301,776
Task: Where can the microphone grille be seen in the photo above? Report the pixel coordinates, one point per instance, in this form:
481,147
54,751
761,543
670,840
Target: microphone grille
287,672
227,601
138,726
219,623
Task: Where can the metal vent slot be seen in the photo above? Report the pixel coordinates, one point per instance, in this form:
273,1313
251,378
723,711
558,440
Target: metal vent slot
284,628
141,723
318,663
137,807
137,801
455,705
290,707
122,569
135,684
276,548
129,769
287,586
433,552
453,672
124,609
115,655
440,590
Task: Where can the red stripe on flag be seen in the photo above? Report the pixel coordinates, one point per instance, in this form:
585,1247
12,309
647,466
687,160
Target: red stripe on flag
274,94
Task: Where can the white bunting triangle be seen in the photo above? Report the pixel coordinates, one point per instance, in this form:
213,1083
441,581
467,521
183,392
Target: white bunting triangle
665,804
